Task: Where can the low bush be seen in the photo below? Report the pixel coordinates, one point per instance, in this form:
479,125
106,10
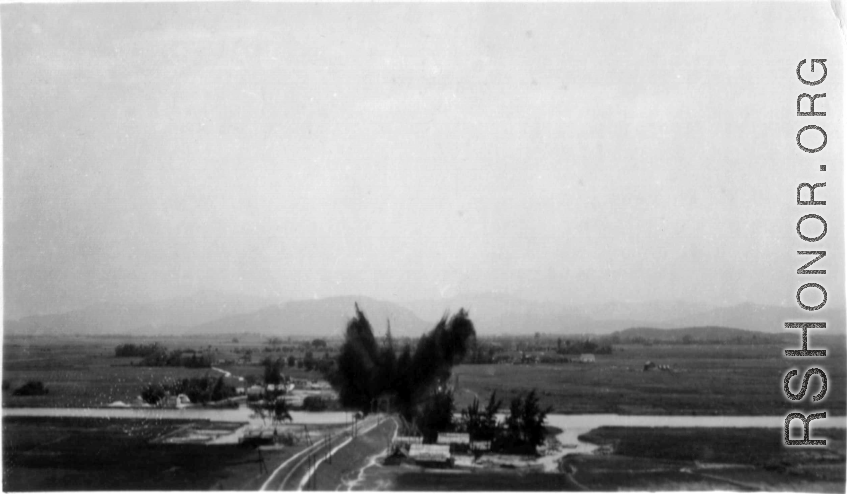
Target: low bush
314,404
32,388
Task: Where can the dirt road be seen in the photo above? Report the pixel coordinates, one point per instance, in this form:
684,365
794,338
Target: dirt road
297,472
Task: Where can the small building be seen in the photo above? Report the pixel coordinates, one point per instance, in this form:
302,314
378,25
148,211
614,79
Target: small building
401,444
456,441
234,384
431,454
480,446
587,358
453,438
407,440
179,401
255,392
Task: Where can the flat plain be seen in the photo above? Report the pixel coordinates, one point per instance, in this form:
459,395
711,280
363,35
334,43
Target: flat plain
711,379
704,379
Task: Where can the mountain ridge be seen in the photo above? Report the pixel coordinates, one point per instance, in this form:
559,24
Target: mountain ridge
493,314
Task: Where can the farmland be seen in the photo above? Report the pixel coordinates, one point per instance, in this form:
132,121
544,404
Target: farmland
704,379
84,372
649,459
48,454
708,459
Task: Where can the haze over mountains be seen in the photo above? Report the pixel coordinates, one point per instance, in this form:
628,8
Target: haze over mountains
211,312
152,317
325,317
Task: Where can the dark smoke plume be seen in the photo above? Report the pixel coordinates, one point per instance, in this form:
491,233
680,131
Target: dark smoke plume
370,373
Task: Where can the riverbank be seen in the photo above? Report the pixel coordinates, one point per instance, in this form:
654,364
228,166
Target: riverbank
240,414
71,453
118,454
703,458
704,379
647,451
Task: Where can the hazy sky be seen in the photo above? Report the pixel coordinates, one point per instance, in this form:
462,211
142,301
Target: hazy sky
569,152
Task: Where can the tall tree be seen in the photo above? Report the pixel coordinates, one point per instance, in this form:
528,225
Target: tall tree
365,371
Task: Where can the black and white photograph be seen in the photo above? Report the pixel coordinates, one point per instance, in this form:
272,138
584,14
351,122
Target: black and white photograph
423,246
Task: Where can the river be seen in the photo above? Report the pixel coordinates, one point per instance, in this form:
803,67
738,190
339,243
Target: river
568,423
241,414
572,425
575,425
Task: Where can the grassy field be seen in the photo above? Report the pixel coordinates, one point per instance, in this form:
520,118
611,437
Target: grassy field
50,454
706,379
83,371
78,373
482,481
708,459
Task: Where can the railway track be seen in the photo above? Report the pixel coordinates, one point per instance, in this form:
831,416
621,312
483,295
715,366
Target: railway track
294,473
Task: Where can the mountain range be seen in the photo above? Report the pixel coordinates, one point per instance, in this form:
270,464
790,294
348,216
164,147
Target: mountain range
211,312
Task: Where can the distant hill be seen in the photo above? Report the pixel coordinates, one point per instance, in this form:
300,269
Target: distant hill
492,314
653,311
165,316
498,313
756,317
701,333
324,317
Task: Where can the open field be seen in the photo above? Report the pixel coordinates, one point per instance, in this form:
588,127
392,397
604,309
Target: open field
706,379
83,371
49,454
643,458
481,481
654,459
97,454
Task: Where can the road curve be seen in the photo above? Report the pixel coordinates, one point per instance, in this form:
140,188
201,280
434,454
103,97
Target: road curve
295,471
304,482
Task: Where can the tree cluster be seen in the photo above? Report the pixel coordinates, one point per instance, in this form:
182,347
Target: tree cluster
315,404
276,410
525,424
177,358
587,346
274,367
369,373
198,389
522,431
133,350
31,388
481,423
273,370
481,353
